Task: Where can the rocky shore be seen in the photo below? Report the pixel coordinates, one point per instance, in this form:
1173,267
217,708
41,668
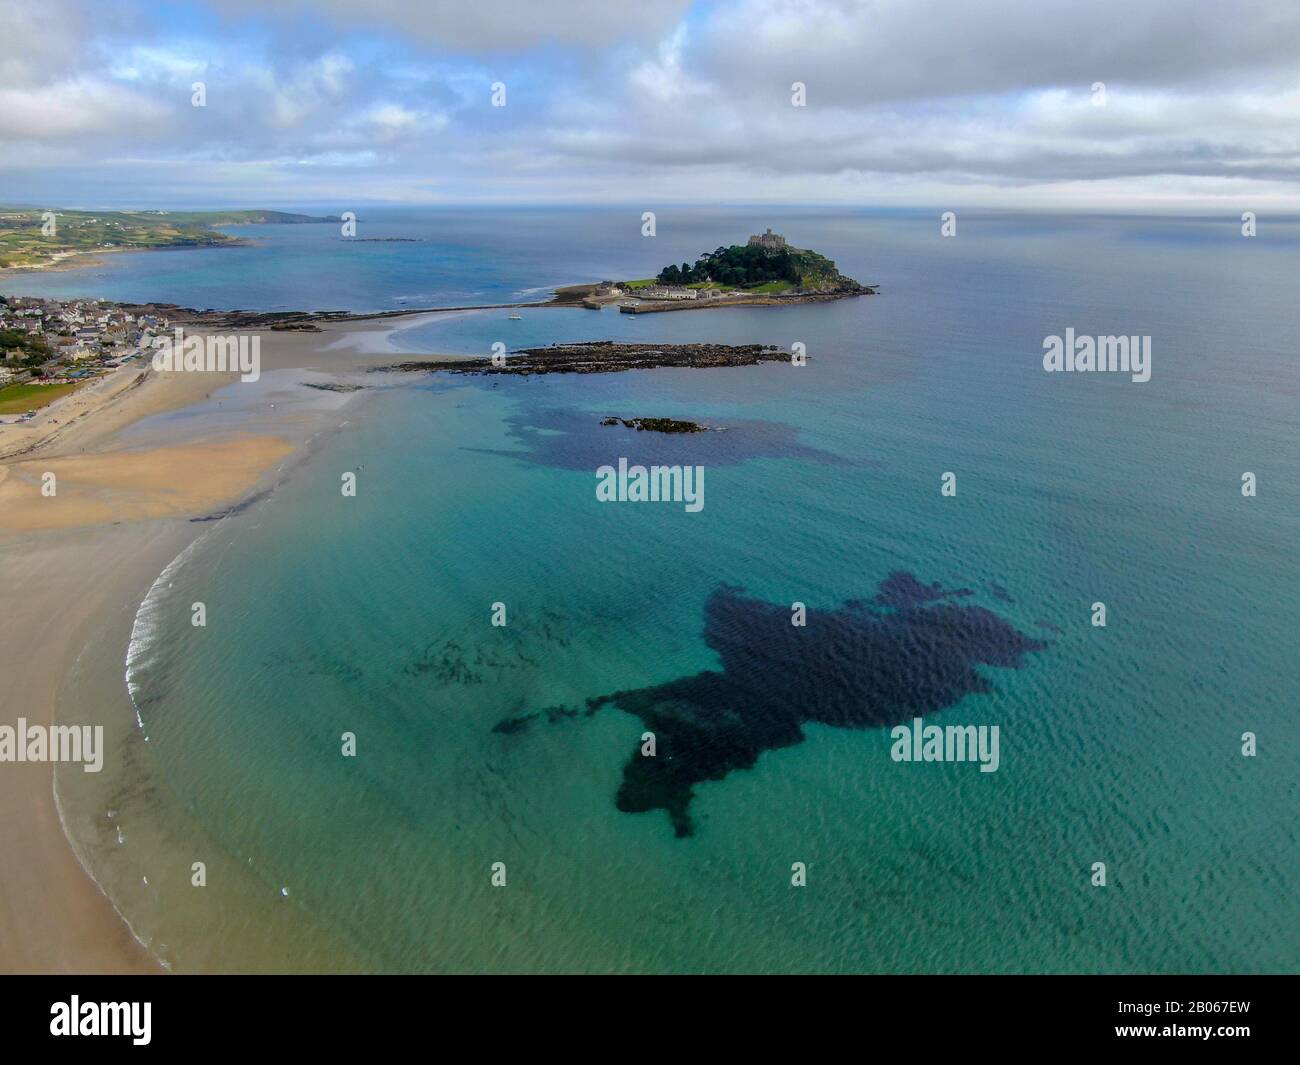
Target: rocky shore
656,425
742,299
573,296
604,356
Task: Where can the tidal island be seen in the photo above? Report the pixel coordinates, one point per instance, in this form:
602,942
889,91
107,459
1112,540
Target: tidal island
765,271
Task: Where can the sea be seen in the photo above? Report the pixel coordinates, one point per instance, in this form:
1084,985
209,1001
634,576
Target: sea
472,718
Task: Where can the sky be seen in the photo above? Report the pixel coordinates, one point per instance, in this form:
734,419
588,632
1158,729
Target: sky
1178,105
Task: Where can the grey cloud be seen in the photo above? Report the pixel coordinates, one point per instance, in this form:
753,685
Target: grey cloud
854,54
905,95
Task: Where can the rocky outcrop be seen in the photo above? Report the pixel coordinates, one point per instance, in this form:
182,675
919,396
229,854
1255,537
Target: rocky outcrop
656,425
605,356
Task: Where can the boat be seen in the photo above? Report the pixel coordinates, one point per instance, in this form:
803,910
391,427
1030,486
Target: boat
516,317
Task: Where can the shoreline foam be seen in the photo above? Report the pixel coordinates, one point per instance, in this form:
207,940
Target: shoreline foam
68,580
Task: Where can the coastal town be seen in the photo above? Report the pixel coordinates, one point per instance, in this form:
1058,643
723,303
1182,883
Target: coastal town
49,346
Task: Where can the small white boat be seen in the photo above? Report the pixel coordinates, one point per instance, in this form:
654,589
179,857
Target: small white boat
516,317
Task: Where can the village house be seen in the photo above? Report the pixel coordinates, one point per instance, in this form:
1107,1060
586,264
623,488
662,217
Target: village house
668,292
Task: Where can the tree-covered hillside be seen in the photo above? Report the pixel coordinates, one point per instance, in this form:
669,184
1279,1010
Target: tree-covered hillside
751,266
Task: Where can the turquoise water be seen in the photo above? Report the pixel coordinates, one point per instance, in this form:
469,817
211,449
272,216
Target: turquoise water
479,744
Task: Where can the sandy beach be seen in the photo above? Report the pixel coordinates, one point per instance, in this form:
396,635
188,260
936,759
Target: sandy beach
121,509
56,585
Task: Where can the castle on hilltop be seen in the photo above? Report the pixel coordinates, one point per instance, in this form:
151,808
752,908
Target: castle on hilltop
769,241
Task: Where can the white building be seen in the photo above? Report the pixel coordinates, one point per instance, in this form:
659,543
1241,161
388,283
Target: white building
668,292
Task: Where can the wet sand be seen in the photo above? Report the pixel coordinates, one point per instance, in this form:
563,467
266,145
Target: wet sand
55,920
120,512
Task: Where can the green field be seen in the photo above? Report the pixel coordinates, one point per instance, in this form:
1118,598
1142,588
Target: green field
19,399
22,242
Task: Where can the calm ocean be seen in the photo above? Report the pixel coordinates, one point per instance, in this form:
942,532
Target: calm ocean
479,744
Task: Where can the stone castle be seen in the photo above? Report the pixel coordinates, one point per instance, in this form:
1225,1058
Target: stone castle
769,241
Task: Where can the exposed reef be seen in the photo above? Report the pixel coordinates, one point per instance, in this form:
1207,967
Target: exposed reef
656,425
565,438
605,356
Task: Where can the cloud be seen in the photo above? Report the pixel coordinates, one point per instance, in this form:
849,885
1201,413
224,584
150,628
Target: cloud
943,91
77,108
925,101
664,80
854,54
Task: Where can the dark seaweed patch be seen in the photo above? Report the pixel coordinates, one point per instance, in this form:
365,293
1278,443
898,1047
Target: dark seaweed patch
909,652
573,440
511,725
901,590
449,662
237,508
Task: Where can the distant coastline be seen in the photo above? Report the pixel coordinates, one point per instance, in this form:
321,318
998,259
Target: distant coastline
32,239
